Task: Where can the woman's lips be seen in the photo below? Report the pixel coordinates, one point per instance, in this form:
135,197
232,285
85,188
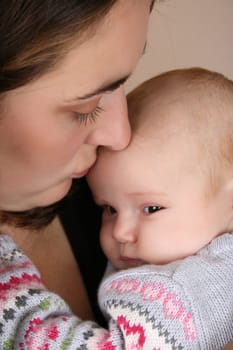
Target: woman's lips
84,172
81,174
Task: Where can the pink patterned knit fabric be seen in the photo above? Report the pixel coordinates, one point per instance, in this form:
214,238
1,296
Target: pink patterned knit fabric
184,305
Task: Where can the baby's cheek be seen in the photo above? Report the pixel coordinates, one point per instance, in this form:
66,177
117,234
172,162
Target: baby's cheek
107,243
105,235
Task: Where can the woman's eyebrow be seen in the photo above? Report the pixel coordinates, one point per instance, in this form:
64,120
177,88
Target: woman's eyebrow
105,88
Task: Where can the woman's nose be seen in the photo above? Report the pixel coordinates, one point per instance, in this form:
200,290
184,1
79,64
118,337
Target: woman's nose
113,130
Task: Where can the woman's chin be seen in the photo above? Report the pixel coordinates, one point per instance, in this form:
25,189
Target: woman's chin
49,196
35,200
54,194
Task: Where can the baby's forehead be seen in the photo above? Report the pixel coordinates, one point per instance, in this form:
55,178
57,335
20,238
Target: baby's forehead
109,165
157,118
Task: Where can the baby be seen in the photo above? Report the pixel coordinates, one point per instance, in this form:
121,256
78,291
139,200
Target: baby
167,221
167,204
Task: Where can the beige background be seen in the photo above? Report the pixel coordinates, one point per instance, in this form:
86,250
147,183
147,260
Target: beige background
186,33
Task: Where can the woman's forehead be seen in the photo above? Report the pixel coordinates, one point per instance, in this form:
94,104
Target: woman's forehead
98,64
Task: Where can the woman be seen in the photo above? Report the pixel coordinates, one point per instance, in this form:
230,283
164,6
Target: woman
63,66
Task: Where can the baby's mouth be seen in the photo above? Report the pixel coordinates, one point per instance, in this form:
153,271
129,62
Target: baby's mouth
131,262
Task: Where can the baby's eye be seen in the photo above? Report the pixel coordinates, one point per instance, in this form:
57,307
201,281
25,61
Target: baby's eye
151,209
108,209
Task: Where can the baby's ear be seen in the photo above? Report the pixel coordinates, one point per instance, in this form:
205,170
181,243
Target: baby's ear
230,192
230,186
230,189
229,205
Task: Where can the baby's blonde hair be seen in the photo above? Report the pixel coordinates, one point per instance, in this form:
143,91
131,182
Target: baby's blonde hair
206,97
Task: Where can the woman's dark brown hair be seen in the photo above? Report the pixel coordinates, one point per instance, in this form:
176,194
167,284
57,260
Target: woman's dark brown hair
34,36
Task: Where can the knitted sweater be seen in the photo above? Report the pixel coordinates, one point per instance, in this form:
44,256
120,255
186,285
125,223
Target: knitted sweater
187,304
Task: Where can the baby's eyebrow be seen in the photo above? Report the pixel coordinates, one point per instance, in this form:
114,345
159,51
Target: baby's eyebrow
97,200
140,194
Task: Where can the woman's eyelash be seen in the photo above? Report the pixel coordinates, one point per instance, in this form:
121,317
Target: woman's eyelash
84,118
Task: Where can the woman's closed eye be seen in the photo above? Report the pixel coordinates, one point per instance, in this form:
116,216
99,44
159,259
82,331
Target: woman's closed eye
151,209
84,118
